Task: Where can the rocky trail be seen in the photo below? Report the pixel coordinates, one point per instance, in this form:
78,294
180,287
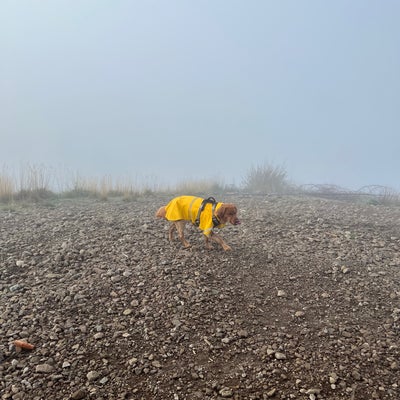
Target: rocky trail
305,306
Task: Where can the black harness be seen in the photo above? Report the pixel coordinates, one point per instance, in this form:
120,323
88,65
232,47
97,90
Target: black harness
212,201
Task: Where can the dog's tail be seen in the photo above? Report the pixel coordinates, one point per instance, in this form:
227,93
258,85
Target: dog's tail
161,212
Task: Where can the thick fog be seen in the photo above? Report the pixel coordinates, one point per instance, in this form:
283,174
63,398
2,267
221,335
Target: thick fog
177,90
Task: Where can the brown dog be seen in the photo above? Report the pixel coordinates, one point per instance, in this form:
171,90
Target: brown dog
206,214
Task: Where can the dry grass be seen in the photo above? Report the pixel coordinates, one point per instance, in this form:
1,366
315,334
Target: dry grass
38,183
6,188
200,187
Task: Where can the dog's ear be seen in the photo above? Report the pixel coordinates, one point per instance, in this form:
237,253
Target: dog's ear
225,211
221,212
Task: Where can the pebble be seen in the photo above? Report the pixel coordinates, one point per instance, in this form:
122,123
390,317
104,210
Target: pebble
344,269
226,392
280,356
92,375
133,361
44,368
16,287
176,322
79,394
99,335
333,378
356,375
243,333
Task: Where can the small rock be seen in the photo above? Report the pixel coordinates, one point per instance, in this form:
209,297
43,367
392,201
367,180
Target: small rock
281,293
92,375
44,368
271,393
280,356
333,378
299,314
344,269
99,335
243,333
313,391
133,361
127,311
79,394
356,375
176,322
270,351
226,392
15,287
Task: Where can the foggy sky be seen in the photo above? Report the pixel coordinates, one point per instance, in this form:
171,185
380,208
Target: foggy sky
191,89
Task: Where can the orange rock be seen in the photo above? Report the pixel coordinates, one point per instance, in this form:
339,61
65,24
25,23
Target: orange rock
23,345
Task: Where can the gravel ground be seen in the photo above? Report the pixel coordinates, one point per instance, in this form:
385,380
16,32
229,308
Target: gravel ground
306,306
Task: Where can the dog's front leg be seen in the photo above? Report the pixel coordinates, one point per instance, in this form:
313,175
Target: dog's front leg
220,241
180,227
208,244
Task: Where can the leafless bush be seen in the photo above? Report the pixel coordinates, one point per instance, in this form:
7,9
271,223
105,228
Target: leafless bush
377,194
266,178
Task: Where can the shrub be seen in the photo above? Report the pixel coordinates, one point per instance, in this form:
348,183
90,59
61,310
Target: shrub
266,178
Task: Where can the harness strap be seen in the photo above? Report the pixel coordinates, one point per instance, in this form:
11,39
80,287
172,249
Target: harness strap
212,201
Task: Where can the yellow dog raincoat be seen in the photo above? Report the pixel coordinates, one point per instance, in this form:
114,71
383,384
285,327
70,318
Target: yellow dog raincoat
187,208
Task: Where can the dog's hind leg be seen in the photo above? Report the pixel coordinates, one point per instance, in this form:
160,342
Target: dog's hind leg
172,227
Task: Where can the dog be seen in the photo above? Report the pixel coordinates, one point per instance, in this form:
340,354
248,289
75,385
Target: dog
206,214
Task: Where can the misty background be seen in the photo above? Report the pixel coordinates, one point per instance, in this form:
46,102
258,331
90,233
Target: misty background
174,90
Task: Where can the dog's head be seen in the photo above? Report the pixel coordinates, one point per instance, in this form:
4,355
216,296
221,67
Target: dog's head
228,213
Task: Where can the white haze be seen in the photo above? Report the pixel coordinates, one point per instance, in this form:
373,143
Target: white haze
175,90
